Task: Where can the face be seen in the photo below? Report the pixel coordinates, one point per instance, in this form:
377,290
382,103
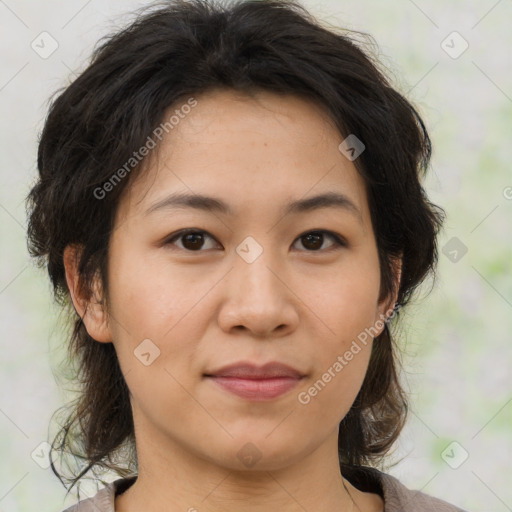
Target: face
257,281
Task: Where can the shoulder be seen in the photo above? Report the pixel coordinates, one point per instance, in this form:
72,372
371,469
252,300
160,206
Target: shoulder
103,500
396,496
399,498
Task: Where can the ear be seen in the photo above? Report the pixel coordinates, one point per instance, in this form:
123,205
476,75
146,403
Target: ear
386,306
91,311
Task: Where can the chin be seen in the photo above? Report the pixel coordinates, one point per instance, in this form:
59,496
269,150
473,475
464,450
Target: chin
258,453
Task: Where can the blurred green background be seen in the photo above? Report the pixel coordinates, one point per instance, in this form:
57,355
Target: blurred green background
456,340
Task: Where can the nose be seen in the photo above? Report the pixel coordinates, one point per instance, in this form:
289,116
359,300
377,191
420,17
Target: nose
258,297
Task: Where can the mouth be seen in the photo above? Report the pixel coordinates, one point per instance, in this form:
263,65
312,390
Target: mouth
256,383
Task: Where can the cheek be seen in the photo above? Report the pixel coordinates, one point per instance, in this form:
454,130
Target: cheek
347,308
345,302
156,314
331,390
149,298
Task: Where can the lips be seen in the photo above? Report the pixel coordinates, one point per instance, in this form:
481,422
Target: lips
256,383
250,371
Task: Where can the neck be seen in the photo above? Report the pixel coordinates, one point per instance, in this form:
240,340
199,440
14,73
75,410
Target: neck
173,479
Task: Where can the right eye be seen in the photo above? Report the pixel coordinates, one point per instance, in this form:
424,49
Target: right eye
192,239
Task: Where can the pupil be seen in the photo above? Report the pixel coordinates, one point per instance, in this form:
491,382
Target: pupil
316,238
194,238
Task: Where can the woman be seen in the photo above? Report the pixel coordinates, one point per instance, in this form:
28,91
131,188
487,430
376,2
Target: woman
230,200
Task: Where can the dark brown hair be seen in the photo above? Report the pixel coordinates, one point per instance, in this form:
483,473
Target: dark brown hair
179,49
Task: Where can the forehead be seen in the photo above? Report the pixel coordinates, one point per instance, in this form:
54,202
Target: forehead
247,151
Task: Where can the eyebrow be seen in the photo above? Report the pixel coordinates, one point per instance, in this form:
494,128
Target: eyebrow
212,204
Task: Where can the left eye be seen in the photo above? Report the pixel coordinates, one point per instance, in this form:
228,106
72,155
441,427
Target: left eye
316,238
193,240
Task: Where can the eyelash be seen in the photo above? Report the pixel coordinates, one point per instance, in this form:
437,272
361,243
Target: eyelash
339,241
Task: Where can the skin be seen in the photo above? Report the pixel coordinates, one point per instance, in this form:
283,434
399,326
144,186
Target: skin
300,302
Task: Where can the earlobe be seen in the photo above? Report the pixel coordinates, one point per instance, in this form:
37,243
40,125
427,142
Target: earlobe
387,308
90,310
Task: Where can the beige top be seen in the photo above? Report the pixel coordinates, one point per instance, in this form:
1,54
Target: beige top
396,497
